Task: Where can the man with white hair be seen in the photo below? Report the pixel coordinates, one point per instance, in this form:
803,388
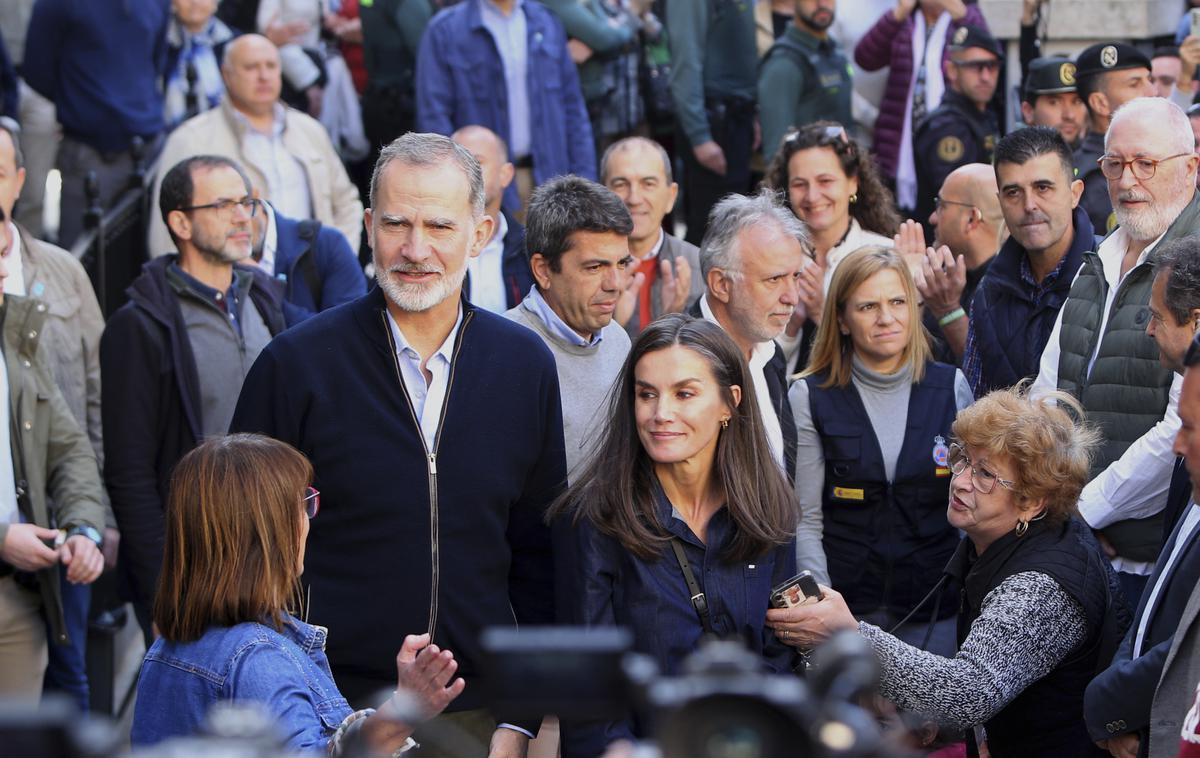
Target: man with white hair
435,433
751,258
1098,350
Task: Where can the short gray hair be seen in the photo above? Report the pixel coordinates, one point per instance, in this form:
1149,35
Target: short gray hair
1179,261
737,213
423,149
1149,110
629,143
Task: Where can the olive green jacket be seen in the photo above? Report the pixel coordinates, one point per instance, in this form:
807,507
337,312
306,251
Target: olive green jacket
50,453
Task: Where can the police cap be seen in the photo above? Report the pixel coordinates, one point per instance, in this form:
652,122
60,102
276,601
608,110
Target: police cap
1109,56
1053,75
973,36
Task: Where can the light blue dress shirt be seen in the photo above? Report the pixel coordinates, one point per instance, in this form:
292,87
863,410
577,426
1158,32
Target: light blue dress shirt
512,43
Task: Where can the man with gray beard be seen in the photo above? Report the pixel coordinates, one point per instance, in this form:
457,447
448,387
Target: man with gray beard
435,432
1099,351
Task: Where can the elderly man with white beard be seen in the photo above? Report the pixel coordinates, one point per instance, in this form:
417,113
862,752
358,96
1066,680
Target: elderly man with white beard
1099,351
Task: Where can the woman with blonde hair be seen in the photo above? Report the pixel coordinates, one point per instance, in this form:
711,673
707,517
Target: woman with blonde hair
237,519
1041,608
873,412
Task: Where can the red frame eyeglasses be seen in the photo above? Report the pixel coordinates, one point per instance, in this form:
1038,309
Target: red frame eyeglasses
312,502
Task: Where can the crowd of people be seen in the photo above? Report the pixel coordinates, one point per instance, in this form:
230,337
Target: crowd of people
418,352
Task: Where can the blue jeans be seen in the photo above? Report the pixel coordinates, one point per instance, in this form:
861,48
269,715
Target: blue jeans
67,669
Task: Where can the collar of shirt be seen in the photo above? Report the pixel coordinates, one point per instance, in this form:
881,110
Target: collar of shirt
200,289
496,243
14,283
489,8
537,305
277,124
270,241
1112,252
405,350
658,246
1039,289
763,351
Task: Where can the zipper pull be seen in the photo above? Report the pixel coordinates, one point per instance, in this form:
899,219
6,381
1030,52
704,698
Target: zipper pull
433,463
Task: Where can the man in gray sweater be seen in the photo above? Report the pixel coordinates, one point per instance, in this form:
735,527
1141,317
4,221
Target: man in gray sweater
577,239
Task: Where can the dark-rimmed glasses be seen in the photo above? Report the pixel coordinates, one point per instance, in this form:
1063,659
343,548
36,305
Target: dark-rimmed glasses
983,479
225,207
939,201
978,66
1143,169
312,502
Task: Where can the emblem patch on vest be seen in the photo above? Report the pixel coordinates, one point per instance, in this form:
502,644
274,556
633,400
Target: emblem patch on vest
847,493
949,149
941,453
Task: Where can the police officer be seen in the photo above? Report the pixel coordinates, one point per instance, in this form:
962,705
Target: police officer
1107,75
1050,99
804,77
963,129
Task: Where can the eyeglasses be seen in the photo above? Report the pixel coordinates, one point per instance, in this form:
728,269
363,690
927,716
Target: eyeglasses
985,481
225,207
979,66
312,502
829,137
939,201
1113,168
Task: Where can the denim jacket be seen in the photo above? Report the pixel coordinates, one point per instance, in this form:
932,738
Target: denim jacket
287,672
603,584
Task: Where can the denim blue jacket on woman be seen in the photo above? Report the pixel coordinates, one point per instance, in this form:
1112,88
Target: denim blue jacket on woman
286,672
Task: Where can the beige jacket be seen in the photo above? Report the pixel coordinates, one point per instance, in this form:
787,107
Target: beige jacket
216,132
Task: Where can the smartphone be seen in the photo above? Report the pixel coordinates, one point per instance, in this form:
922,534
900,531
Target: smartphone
1194,17
800,589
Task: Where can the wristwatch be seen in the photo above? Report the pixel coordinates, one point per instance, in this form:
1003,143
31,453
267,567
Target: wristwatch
90,532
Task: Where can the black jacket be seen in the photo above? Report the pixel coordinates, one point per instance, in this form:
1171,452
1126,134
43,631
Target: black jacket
409,540
150,412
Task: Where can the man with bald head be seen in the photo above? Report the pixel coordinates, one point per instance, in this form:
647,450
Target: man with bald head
499,277
287,154
968,229
1016,304
1099,351
666,271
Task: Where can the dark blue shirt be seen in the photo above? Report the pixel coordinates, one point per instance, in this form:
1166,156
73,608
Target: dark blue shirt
100,63
603,584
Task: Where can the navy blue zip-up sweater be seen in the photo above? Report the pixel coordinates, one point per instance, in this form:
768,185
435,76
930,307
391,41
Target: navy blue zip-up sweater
402,545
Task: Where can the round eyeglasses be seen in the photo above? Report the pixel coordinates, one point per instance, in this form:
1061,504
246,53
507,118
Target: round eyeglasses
1143,169
312,502
983,480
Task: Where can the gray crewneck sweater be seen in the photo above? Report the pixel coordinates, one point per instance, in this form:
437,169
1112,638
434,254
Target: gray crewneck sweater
885,398
585,376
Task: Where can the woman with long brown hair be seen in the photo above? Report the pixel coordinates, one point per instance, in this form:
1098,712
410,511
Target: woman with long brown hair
237,520
682,476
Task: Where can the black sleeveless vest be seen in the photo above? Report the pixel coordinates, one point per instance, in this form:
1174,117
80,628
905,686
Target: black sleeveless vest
887,543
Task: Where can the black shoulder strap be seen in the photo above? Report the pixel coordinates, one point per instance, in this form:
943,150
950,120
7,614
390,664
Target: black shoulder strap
699,601
308,262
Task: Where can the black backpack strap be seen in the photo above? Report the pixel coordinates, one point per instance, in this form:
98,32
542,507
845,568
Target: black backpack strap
699,601
309,229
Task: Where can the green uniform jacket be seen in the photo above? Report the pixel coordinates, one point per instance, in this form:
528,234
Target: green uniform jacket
1127,391
713,55
50,453
802,79
391,35
587,22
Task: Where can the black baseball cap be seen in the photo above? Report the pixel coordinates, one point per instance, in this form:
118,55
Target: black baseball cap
973,36
1109,56
1052,75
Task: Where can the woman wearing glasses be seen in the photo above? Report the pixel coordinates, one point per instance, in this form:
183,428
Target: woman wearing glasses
873,412
1041,610
237,521
831,185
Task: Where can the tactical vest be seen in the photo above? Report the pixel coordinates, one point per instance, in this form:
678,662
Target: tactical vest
828,79
887,543
1126,393
1010,331
1046,718
985,130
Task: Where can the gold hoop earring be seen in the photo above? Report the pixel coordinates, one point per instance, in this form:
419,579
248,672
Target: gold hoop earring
854,198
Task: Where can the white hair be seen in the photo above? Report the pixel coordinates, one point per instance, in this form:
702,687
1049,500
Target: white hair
1158,110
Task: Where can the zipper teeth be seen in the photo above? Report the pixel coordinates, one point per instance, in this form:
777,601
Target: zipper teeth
431,460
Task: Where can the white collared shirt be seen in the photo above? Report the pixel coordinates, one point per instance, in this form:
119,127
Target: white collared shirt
762,355
427,398
270,241
487,272
14,283
1190,522
287,181
1135,485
